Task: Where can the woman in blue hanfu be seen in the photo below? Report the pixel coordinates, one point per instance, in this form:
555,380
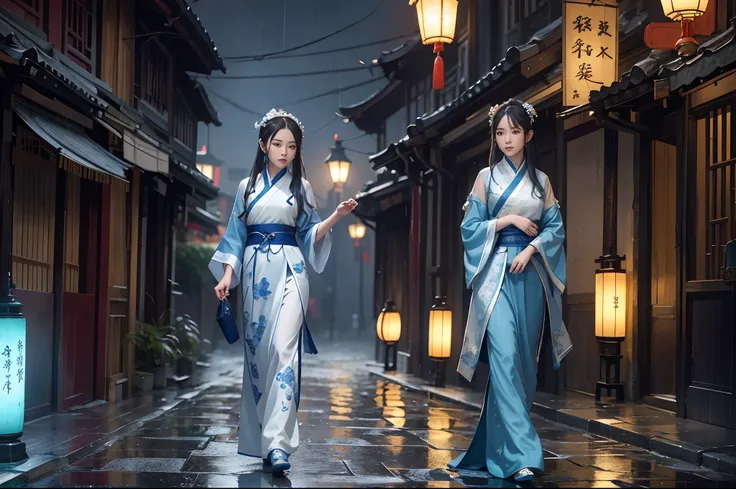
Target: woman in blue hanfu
273,229
513,237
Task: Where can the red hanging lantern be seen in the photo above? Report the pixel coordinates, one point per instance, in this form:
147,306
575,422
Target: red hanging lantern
437,19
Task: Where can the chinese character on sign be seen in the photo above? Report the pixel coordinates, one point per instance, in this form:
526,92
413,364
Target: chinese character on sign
7,364
6,387
6,351
19,361
604,53
582,24
579,48
585,73
590,58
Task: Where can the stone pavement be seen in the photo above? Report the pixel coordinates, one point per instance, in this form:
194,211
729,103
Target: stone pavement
356,430
643,426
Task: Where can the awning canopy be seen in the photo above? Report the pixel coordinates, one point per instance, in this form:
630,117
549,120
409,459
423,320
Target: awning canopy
70,141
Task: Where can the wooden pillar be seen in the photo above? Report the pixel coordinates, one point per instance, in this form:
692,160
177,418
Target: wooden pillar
610,189
6,193
642,265
57,397
103,293
135,186
417,200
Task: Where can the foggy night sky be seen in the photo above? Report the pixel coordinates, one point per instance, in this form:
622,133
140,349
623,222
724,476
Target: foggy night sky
248,27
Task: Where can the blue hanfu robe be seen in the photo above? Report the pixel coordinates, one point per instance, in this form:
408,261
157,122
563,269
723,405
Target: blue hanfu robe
268,252
508,312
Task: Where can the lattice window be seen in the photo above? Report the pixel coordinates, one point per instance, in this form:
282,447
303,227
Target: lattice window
155,77
80,32
30,10
715,205
34,194
185,127
518,10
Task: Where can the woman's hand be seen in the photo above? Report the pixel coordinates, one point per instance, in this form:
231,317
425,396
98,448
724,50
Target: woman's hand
525,225
346,207
522,260
222,290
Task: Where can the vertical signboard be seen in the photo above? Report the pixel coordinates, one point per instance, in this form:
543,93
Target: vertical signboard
590,49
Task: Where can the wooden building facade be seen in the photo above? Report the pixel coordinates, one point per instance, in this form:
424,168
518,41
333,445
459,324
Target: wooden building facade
83,155
660,193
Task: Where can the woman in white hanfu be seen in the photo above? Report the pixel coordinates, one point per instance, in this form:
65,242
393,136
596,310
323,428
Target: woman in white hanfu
273,229
515,263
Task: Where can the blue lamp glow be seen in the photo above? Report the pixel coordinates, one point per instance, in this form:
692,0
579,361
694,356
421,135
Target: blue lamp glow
12,374
12,377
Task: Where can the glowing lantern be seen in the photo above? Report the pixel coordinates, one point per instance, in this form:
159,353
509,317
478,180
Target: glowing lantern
437,19
685,11
339,164
388,326
440,330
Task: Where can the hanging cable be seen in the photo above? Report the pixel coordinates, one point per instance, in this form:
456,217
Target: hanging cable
333,91
234,104
290,75
315,41
331,51
360,152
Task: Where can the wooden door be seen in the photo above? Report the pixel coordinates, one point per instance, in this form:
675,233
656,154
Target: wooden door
664,270
81,240
708,304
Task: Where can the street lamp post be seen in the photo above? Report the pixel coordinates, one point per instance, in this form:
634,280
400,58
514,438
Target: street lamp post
357,232
12,322
339,166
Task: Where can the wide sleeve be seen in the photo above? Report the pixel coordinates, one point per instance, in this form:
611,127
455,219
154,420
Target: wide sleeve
477,230
551,240
316,253
231,249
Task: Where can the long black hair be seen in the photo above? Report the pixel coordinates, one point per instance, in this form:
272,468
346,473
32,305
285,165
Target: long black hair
518,118
267,132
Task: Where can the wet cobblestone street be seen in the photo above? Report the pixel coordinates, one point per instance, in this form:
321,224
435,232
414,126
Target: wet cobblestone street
356,430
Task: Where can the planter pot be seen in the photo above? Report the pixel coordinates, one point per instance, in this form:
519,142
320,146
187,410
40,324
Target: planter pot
159,377
184,366
143,381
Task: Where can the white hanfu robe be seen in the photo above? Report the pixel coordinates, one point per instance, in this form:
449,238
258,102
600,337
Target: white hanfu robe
275,299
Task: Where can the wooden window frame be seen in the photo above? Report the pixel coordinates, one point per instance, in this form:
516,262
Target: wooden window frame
162,77
74,35
714,192
181,117
33,16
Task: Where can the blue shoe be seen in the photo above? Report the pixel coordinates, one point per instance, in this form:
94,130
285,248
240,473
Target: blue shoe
279,460
524,475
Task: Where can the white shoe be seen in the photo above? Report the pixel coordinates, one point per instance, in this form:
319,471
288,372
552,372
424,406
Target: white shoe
524,475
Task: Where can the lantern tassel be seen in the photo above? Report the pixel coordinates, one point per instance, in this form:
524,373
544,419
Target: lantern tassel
438,75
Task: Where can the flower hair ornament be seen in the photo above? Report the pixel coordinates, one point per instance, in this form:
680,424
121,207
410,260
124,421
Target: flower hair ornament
529,108
273,113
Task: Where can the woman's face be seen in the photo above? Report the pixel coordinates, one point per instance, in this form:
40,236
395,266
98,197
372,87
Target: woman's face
281,149
511,139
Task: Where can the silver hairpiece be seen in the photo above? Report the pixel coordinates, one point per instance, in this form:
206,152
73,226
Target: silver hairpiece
273,113
529,108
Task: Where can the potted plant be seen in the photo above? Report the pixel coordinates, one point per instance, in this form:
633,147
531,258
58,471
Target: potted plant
156,344
188,335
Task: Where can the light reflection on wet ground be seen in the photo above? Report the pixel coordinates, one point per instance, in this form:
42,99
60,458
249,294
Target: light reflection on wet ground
356,430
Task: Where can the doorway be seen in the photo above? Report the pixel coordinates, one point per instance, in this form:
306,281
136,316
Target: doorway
662,381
